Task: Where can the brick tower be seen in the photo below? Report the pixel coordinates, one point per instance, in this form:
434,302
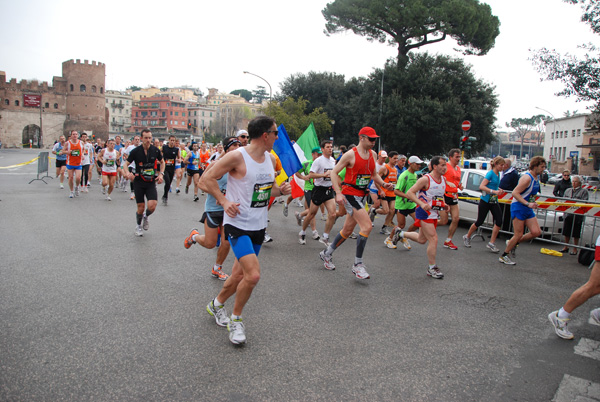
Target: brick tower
85,97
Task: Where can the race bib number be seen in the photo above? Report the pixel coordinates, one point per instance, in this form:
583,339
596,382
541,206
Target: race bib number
148,173
493,199
261,195
328,178
362,180
196,161
75,152
532,198
437,203
110,162
170,162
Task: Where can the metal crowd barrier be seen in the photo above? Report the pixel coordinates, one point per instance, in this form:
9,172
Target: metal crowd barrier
42,167
551,215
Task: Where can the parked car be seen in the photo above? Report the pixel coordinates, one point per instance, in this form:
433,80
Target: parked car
551,222
554,178
590,180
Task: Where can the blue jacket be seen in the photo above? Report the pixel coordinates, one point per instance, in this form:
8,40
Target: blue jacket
510,179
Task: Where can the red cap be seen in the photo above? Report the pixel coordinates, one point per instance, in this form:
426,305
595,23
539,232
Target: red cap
368,131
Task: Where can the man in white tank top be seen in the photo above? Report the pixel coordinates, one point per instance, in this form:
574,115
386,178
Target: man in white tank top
250,184
428,194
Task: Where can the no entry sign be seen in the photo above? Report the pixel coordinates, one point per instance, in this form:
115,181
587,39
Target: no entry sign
466,125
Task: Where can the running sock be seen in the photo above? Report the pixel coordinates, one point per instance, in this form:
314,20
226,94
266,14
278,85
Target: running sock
431,266
361,242
448,239
302,233
326,236
357,260
217,303
504,254
148,213
562,314
236,317
337,241
138,218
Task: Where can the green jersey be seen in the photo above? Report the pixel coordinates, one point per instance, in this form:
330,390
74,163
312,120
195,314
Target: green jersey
308,184
405,182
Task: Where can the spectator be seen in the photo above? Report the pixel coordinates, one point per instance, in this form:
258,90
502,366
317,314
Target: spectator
573,223
563,184
509,177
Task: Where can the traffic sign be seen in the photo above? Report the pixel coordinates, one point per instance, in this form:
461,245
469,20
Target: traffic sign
466,125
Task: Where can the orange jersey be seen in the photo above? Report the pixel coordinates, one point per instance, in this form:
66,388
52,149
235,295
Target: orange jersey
453,176
390,177
74,155
204,157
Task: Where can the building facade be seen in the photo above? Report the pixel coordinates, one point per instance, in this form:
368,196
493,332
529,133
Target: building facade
36,113
118,104
164,114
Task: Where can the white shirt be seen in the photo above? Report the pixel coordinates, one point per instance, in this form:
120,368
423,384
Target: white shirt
323,165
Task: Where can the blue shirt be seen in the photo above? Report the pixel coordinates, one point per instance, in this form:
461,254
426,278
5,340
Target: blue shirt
211,202
494,183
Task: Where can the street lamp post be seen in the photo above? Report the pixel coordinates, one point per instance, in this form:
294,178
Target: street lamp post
553,135
270,90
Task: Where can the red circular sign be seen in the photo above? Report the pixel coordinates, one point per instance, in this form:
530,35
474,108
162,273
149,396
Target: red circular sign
466,125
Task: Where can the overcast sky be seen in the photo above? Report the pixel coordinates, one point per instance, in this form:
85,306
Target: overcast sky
209,44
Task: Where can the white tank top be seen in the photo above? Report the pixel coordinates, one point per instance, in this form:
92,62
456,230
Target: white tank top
110,161
434,192
252,192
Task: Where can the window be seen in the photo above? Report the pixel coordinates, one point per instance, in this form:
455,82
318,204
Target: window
176,122
136,114
176,113
578,132
56,106
82,88
16,103
154,104
71,87
573,133
473,181
182,114
46,105
210,114
552,135
144,114
101,90
171,113
6,102
93,89
202,113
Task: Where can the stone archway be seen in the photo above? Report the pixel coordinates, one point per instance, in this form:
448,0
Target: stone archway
31,132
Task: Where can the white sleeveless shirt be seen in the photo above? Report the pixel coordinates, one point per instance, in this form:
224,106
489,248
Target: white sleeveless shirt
252,192
110,161
435,191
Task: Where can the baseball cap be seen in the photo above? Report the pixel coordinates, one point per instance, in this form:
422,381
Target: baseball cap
369,132
317,150
241,132
414,159
383,154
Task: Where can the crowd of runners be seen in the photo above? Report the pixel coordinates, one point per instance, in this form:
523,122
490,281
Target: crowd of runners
238,178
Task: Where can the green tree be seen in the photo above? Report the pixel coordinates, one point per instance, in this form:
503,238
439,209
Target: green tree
525,125
410,24
244,93
133,88
581,77
259,94
294,116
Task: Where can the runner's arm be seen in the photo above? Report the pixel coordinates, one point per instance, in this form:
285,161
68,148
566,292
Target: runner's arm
422,183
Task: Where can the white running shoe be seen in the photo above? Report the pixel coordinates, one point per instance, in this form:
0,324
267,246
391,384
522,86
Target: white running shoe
132,196
595,316
145,223
327,261
315,235
467,241
359,270
285,210
108,198
561,326
61,186
353,235
388,243
103,190
406,243
323,217
268,238
324,241
219,313
298,218
237,332
492,247
302,239
506,260
77,191
71,195
435,273
138,231
372,213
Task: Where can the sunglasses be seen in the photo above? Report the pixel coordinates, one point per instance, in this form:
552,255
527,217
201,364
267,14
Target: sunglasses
273,131
243,136
370,139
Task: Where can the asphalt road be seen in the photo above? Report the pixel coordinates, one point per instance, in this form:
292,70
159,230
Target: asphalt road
88,311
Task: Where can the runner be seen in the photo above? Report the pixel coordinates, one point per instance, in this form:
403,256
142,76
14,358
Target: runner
170,155
131,168
242,136
308,190
119,147
377,206
360,169
180,170
322,193
489,202
213,220
403,206
61,159
97,148
109,157
522,206
389,174
88,155
192,160
204,158
560,318
428,194
73,149
250,184
451,196
145,160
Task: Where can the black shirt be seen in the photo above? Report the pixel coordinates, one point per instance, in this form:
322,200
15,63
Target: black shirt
170,154
146,165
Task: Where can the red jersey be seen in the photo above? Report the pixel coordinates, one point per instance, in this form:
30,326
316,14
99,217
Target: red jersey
204,157
453,176
358,177
390,177
74,155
